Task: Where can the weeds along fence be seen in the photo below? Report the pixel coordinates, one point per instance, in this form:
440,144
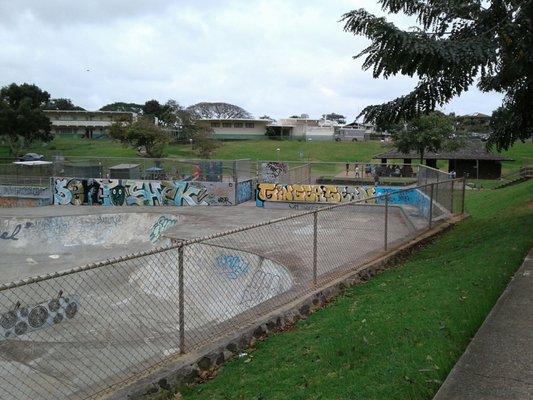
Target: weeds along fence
80,333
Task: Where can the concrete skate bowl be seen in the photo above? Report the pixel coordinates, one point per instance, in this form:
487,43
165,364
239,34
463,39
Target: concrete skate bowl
37,246
127,317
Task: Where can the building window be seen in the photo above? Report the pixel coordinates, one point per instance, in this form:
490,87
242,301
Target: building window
237,125
226,125
250,125
215,124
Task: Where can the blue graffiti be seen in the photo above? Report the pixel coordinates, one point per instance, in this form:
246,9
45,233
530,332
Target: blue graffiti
232,267
243,191
412,197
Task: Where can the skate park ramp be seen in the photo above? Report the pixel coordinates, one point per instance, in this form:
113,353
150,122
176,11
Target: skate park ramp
100,326
119,319
36,246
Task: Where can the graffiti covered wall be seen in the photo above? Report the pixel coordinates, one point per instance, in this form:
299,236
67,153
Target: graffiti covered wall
305,197
24,196
243,192
126,192
271,171
311,193
412,197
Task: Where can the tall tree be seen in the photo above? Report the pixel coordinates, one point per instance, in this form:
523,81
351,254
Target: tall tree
338,118
456,44
121,106
153,108
218,110
62,104
425,133
141,134
174,116
22,120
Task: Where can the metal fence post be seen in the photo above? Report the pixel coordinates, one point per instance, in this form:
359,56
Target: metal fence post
463,196
431,205
386,219
315,246
451,198
181,302
437,189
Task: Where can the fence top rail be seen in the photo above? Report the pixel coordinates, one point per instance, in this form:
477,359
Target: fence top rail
157,250
335,162
145,159
135,179
432,169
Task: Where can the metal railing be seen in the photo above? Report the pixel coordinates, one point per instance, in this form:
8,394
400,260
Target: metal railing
78,333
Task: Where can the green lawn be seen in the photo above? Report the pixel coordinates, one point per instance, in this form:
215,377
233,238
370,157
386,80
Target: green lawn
255,150
397,336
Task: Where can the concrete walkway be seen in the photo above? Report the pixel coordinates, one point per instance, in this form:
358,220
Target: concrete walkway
498,363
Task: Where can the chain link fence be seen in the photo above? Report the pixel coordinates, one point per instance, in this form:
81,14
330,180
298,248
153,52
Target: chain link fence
79,333
129,168
290,172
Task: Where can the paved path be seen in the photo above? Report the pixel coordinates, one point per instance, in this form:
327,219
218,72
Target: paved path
498,363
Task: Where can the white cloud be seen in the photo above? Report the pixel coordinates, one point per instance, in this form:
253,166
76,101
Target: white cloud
271,57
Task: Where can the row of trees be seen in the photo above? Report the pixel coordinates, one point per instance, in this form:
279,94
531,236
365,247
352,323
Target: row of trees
22,120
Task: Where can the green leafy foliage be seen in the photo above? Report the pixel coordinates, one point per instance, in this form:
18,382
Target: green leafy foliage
456,44
121,106
204,144
340,119
141,134
62,104
22,120
425,133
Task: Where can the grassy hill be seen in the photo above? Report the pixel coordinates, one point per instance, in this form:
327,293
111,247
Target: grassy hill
255,150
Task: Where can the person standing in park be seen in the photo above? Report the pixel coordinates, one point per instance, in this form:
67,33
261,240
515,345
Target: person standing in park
376,178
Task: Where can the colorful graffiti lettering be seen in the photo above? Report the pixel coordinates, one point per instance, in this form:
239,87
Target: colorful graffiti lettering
160,226
117,192
312,193
232,267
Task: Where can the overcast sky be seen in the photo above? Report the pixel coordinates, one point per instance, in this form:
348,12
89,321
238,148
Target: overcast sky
273,57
